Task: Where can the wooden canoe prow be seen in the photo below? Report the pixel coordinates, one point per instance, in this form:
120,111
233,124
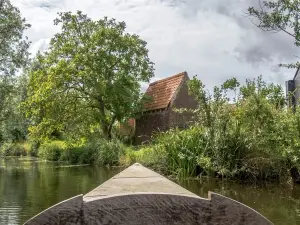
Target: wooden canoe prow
138,195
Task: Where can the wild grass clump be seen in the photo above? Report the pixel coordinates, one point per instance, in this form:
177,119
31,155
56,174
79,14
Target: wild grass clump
77,155
182,149
106,153
51,151
153,156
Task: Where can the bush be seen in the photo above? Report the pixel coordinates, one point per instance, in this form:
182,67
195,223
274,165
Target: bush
98,151
13,149
52,151
32,148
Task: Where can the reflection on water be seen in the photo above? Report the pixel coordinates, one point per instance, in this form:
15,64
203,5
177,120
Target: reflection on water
279,203
28,187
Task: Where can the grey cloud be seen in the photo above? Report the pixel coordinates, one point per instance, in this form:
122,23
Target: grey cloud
258,46
211,38
46,4
255,55
221,9
255,46
261,47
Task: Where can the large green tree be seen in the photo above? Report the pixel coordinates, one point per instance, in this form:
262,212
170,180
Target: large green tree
89,76
13,47
278,16
14,126
13,56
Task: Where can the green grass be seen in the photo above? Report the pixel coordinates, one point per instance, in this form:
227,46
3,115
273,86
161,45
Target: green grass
153,156
51,151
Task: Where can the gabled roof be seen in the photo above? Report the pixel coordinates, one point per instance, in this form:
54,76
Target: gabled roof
162,91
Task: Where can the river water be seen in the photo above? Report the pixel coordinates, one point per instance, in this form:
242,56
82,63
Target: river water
28,186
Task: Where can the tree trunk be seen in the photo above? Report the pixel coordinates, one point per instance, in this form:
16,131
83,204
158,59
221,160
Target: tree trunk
106,131
106,126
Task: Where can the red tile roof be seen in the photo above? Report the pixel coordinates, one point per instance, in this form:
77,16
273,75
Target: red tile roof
162,91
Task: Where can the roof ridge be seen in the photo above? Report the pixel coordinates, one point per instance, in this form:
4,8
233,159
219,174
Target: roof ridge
168,78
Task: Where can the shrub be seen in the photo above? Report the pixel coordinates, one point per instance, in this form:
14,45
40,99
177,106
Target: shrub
32,148
51,151
100,152
13,149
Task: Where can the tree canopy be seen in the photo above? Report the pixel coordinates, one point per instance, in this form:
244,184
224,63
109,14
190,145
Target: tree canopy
276,16
89,77
13,48
13,56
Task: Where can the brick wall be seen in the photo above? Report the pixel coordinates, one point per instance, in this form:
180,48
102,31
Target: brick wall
164,120
182,100
149,123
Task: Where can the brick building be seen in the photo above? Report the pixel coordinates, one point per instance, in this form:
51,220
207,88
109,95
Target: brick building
158,115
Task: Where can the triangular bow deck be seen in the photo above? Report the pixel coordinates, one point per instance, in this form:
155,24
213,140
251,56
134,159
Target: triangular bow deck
138,195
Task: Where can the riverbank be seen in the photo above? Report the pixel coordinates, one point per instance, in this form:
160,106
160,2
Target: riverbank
97,152
173,154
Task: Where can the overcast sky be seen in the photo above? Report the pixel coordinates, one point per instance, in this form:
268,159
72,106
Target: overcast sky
210,38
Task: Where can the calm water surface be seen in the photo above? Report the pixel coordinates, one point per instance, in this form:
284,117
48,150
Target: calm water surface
27,187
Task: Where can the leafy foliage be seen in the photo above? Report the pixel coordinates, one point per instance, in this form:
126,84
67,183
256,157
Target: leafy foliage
13,127
89,78
99,152
13,56
16,149
242,140
9,149
13,48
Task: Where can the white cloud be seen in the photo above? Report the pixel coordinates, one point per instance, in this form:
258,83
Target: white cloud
210,38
